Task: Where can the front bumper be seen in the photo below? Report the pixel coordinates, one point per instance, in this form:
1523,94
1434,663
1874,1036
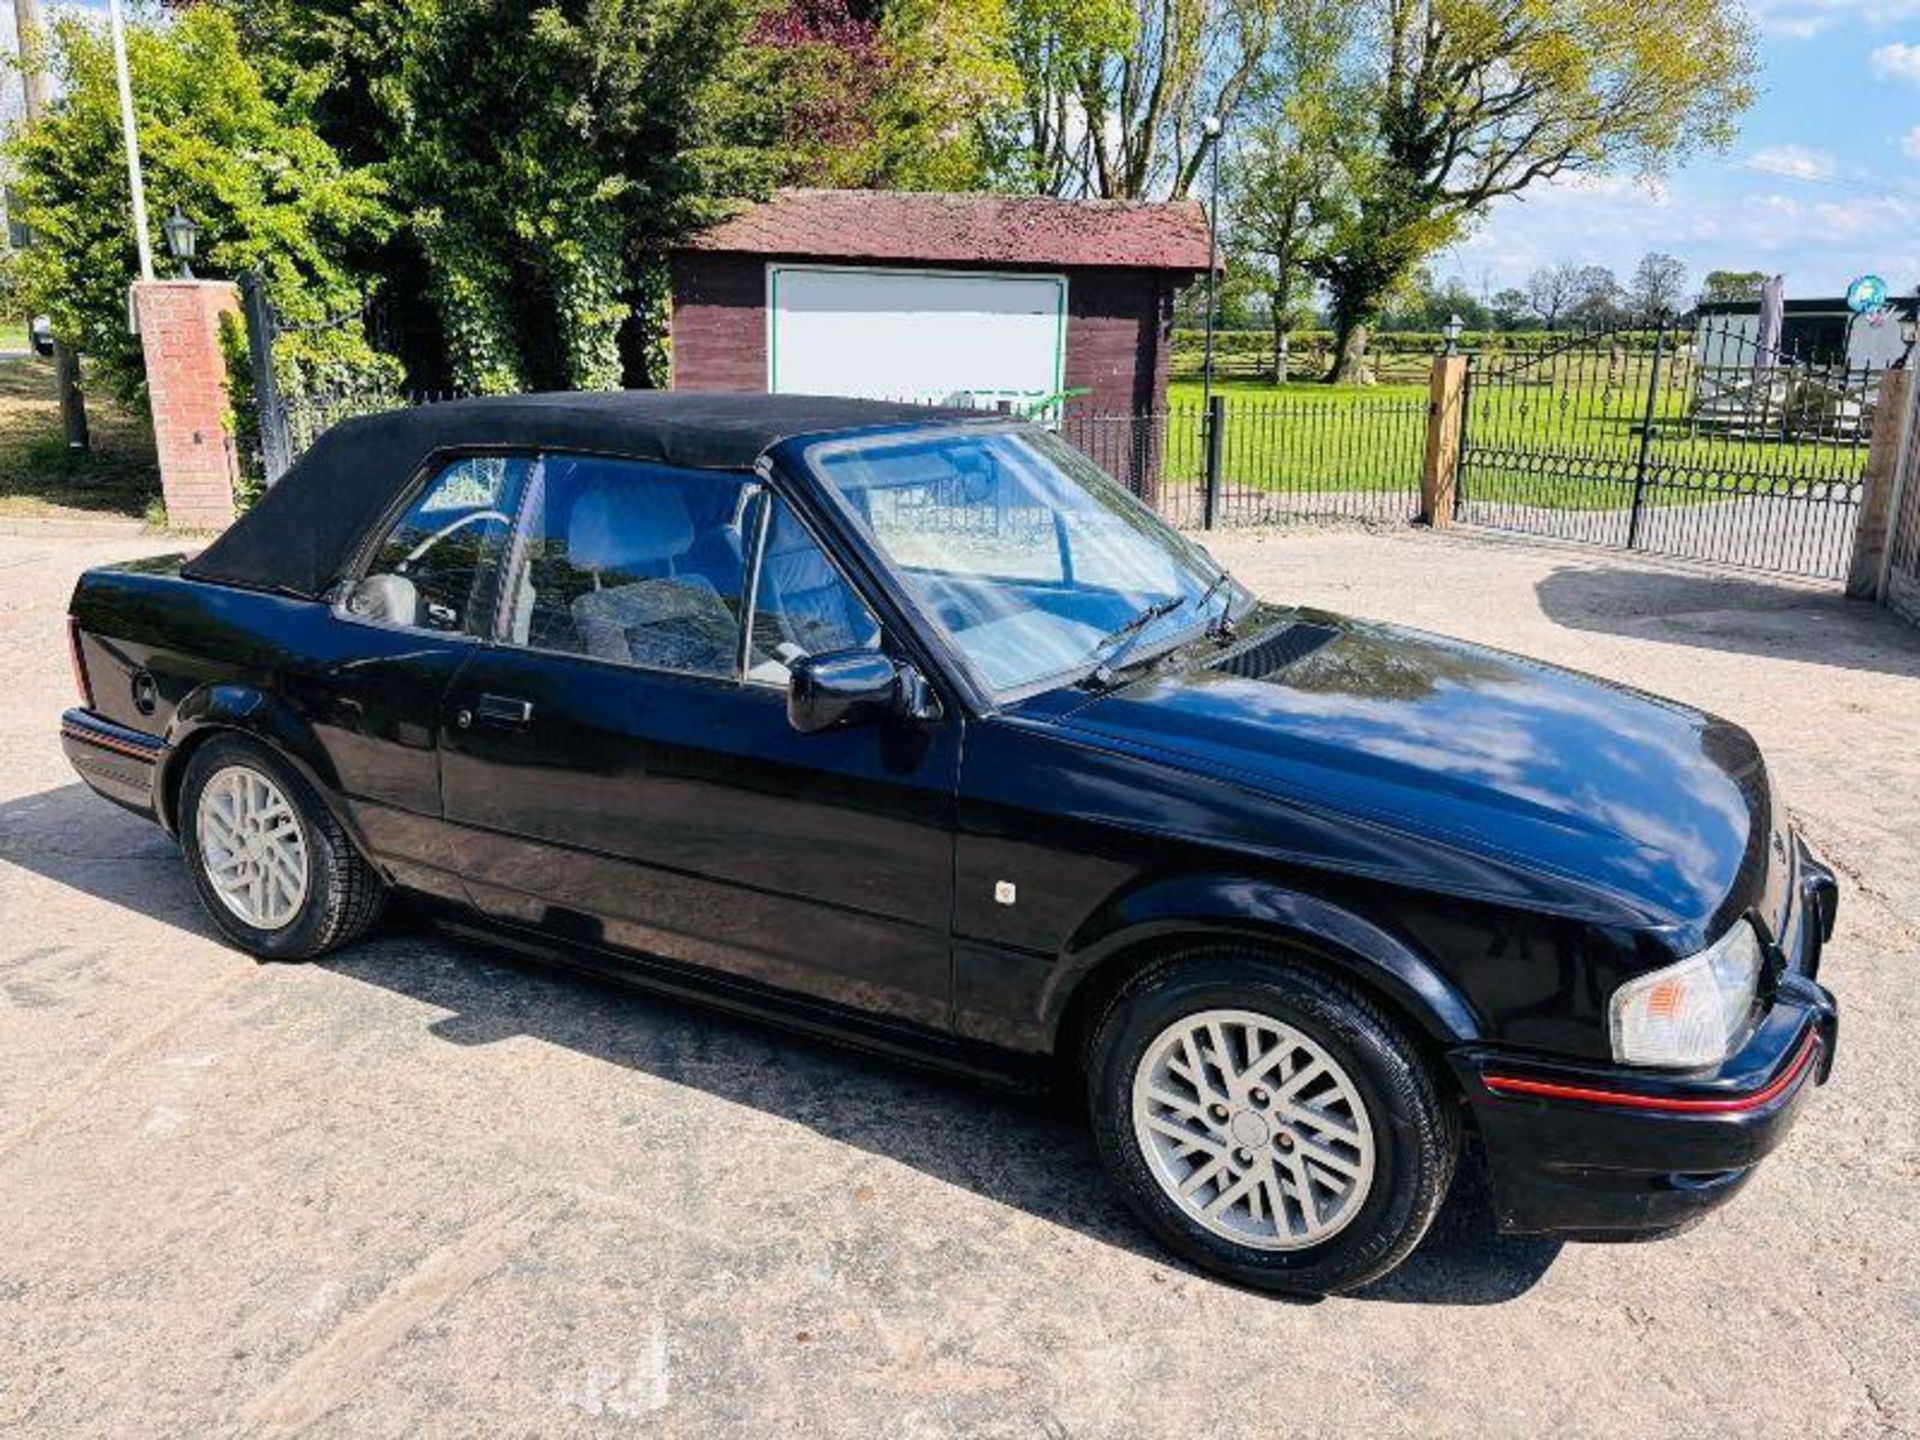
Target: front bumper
1594,1151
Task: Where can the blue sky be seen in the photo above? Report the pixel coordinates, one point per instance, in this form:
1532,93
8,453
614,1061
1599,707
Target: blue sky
1822,185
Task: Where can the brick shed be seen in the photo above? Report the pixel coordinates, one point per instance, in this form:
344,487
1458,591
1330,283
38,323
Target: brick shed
937,297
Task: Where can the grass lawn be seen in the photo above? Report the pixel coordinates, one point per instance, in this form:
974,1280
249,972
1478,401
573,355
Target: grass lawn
1302,438
13,336
40,477
1564,436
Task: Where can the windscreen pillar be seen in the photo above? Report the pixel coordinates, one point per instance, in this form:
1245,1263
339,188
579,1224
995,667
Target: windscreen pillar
179,324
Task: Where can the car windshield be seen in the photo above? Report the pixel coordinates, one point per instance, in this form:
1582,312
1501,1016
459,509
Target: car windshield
1040,567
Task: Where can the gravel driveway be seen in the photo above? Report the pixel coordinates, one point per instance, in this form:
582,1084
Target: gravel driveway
421,1187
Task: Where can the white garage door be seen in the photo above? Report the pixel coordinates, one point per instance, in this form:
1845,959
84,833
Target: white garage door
940,335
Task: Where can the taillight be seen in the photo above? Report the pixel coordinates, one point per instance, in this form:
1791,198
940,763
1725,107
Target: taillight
80,682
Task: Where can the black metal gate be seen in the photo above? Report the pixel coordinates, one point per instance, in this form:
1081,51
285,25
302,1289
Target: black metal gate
1700,439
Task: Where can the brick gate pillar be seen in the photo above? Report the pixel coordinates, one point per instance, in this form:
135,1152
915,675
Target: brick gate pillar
187,385
1893,429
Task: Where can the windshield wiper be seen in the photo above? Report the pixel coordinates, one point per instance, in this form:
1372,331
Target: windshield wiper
1221,627
1128,635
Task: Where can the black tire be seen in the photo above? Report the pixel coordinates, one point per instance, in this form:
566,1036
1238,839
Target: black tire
1415,1133
344,897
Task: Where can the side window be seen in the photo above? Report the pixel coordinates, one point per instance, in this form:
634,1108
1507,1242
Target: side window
803,606
632,562
438,567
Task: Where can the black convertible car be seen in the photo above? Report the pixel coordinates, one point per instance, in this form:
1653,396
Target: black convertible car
913,728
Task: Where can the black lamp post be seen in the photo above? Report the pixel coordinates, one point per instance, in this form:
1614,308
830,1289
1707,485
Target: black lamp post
1210,127
183,239
1451,333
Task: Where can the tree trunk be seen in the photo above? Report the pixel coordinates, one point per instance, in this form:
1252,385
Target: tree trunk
33,80
73,405
1280,302
1350,353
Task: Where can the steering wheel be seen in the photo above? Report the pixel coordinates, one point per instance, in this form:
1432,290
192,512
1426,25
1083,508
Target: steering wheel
419,552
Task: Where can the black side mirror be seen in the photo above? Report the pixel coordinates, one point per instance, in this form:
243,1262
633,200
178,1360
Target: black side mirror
851,686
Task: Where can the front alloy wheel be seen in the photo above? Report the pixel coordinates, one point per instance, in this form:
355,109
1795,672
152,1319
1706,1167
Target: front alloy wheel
1253,1129
1269,1121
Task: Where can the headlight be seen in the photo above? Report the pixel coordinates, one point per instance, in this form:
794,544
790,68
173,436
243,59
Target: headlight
1689,1015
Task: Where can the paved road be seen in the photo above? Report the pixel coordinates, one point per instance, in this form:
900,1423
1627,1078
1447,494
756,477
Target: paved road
421,1188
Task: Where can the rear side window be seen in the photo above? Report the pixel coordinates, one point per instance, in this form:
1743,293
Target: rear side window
438,568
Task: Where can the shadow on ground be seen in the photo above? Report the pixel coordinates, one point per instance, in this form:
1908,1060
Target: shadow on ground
1731,613
1030,1153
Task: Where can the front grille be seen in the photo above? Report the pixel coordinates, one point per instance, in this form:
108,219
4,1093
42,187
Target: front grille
1268,654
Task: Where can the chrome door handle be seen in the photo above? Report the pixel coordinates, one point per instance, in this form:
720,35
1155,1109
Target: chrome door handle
503,710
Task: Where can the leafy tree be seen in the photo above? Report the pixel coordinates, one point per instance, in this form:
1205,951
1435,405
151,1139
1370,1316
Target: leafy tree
269,194
1598,297
1115,91
541,153
1552,290
1732,286
550,154
1480,99
1422,302
1509,308
1051,45
1659,285
545,153
1288,191
945,117
831,97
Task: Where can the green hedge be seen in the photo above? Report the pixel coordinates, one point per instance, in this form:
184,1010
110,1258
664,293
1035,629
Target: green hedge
1396,355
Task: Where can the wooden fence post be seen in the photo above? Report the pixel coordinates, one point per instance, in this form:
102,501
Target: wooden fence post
1439,478
1873,527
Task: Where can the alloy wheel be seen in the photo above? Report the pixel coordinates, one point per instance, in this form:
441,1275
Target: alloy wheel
1253,1129
252,846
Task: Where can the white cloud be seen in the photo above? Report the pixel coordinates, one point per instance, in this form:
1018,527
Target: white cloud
1821,236
1796,162
1898,61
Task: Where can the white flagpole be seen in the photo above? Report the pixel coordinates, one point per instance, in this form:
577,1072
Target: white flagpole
133,143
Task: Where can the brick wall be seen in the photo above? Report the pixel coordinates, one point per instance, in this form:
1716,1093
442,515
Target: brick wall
187,386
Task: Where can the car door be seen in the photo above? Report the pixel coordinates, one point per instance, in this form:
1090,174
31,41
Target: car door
619,767
371,677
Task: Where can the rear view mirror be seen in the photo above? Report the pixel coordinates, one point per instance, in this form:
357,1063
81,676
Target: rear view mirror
852,686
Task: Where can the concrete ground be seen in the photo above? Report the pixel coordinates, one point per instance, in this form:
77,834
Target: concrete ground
420,1187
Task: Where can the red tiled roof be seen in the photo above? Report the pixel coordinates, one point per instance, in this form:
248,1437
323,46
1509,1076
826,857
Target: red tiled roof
975,229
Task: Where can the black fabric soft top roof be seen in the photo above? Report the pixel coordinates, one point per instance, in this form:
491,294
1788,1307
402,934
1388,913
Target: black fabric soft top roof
304,531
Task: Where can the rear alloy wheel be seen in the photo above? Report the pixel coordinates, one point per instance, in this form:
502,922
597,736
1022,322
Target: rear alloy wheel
271,863
1270,1123
251,846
